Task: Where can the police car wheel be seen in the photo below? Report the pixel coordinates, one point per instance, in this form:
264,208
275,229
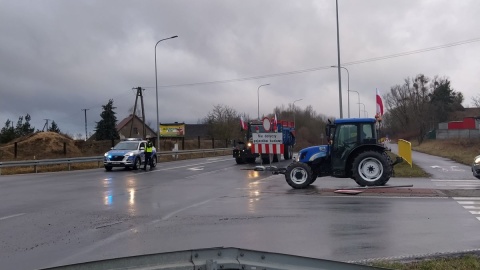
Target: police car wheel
108,168
154,162
137,164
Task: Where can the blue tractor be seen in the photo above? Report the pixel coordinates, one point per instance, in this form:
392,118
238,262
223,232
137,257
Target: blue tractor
352,151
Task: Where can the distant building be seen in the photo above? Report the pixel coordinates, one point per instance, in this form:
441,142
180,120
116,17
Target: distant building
469,127
124,126
193,131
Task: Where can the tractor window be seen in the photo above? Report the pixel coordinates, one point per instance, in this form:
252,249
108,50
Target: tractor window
366,132
346,134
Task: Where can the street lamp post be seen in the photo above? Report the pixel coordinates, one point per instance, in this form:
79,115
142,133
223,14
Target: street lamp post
156,90
358,101
295,122
258,99
338,64
348,86
364,110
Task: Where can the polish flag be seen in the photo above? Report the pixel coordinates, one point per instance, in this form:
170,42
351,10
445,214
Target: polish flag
243,123
379,104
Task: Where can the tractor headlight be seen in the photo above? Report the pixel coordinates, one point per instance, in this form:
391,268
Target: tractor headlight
249,144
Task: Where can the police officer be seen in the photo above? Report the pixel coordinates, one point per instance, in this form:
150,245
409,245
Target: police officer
148,154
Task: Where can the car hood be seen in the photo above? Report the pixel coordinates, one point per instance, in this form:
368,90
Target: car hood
216,258
118,152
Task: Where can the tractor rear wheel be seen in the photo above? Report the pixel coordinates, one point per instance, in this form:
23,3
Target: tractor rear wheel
239,160
265,159
299,175
371,168
287,152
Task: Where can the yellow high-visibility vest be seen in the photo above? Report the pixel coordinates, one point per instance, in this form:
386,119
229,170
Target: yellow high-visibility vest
149,148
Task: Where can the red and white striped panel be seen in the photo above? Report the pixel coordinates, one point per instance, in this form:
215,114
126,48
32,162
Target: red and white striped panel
267,148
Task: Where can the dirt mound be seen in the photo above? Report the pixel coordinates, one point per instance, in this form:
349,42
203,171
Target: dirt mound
40,145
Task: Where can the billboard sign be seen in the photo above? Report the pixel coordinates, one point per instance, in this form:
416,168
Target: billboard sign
172,130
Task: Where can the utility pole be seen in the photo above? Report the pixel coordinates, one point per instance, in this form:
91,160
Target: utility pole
139,94
86,134
46,124
338,66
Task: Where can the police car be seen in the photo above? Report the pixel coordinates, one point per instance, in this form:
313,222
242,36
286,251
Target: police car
129,153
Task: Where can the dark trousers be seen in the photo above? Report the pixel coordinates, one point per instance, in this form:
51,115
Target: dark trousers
148,160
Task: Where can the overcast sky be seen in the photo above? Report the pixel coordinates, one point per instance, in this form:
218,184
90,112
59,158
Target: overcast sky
58,57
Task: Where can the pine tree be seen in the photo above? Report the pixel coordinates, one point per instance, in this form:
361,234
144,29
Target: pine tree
105,129
7,133
54,127
22,128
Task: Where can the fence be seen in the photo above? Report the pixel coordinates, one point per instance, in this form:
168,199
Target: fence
98,159
457,133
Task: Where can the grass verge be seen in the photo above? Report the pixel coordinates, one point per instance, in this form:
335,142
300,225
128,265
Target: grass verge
404,170
467,262
460,150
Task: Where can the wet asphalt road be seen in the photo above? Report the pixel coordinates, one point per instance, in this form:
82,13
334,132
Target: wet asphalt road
68,217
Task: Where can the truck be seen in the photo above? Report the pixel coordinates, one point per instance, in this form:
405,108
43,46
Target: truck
244,152
353,151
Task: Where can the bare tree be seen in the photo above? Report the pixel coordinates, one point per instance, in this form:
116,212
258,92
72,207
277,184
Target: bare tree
223,122
476,101
409,106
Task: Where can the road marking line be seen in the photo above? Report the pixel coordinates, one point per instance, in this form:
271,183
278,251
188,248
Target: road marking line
466,198
11,216
454,185
471,207
468,202
182,209
478,218
455,181
474,212
179,167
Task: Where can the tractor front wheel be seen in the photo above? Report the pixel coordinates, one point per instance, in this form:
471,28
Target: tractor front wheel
299,175
371,168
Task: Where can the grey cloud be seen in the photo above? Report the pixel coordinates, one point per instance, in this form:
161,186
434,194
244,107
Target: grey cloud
60,56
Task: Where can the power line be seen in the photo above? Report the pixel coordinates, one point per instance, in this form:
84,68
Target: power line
328,66
411,52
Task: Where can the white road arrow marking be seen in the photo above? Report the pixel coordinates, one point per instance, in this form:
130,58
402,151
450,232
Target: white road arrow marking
455,169
199,168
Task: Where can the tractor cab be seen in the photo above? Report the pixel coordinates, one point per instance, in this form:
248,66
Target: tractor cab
348,136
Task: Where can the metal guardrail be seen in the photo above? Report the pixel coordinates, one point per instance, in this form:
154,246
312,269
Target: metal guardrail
70,161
